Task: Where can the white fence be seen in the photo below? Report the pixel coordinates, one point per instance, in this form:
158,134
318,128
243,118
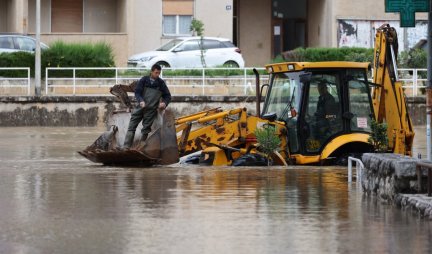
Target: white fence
413,80
198,81
193,82
10,85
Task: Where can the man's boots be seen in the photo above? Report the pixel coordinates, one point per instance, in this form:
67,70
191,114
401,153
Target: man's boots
143,139
128,139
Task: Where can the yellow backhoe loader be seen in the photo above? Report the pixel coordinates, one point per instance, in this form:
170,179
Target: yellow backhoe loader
321,112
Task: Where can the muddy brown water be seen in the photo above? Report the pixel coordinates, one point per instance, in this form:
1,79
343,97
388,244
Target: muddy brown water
54,201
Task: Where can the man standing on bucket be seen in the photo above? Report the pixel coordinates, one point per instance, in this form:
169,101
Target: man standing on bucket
151,94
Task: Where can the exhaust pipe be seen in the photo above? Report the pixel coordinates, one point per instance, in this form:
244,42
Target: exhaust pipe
257,92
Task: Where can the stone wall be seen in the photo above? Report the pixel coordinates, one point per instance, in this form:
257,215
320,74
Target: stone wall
392,178
94,110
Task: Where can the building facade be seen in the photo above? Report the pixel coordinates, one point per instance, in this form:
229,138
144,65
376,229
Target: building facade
262,29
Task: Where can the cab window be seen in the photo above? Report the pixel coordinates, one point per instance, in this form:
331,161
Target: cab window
323,110
358,93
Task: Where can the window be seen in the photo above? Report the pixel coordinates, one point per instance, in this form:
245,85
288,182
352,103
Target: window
213,44
190,45
26,44
176,24
177,17
358,96
323,112
6,42
79,16
66,16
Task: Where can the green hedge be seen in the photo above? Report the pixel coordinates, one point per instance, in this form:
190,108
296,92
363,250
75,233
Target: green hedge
327,54
414,58
62,54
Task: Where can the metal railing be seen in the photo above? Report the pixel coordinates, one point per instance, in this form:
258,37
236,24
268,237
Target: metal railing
359,169
413,80
197,80
7,81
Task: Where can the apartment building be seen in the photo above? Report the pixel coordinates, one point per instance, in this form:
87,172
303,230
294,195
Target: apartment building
261,28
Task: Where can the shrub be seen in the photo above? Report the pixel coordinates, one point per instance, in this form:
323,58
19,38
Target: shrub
268,141
414,58
61,54
378,138
17,59
327,54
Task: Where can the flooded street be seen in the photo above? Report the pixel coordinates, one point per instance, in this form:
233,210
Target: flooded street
52,200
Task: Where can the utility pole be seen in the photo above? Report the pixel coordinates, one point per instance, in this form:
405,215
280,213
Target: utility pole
38,52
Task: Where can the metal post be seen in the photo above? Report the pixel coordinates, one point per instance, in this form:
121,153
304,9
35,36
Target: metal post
74,82
349,170
203,80
38,52
429,84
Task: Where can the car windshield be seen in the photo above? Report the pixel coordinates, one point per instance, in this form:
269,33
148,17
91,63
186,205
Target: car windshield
169,45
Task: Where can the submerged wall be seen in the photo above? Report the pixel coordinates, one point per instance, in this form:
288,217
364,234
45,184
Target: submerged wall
392,178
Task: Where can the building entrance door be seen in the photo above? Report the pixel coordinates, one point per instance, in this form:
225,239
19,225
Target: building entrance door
277,37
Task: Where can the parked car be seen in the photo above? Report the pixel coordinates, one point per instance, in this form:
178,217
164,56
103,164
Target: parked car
17,42
185,52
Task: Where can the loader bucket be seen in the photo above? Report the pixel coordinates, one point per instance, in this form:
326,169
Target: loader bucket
159,148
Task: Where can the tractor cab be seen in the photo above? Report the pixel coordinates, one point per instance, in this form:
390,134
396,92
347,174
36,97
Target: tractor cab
320,102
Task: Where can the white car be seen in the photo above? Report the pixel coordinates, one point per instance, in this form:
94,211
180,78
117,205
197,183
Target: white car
186,53
16,42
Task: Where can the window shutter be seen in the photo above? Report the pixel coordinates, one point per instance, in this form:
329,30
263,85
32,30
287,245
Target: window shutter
67,16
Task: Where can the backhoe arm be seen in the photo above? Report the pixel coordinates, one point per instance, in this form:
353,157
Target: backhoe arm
388,97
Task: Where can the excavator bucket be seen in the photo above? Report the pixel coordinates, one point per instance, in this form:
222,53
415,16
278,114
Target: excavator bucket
159,148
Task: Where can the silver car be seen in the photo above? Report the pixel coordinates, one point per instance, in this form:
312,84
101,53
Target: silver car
187,52
15,42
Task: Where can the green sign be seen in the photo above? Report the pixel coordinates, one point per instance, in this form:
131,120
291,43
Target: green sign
407,10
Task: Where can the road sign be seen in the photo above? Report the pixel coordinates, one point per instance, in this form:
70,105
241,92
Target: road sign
407,10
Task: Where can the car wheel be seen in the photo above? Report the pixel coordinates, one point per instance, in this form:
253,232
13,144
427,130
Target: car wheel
163,64
231,64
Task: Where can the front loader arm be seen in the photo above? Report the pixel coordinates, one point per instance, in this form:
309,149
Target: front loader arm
214,127
230,130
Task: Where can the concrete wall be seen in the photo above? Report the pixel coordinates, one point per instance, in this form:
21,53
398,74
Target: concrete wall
100,16
319,23
93,110
363,10
4,15
205,11
144,25
254,31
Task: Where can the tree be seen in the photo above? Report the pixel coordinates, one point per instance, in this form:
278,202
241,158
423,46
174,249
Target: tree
268,141
378,139
197,28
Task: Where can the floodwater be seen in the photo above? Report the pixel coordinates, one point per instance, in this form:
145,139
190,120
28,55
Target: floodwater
54,201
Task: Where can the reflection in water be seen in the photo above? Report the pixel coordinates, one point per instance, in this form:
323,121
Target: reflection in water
53,201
